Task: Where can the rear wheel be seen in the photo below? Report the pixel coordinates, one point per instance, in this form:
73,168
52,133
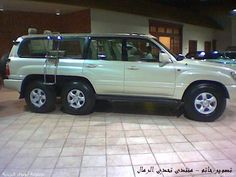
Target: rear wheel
40,98
78,98
204,103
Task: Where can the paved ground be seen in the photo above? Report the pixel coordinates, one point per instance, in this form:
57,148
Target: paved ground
117,140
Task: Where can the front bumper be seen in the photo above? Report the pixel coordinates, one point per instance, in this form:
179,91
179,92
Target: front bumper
232,92
12,84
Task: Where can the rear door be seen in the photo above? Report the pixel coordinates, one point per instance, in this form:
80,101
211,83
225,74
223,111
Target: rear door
104,66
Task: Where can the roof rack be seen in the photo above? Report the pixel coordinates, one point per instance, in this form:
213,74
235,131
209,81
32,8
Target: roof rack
32,31
138,34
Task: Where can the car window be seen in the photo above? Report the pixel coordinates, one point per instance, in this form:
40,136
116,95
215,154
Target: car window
73,47
142,50
230,55
105,49
38,47
35,48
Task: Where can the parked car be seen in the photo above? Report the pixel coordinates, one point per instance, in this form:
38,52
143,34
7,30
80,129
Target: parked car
81,68
201,55
224,57
195,55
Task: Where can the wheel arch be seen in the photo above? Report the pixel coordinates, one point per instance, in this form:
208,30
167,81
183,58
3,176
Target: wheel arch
207,82
61,81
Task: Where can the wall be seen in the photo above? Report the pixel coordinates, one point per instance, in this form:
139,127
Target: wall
103,21
233,30
15,24
201,34
76,22
224,36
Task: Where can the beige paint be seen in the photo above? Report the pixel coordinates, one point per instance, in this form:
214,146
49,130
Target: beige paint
168,80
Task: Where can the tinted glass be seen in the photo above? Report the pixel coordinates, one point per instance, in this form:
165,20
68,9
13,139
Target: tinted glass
38,47
231,55
35,48
73,47
105,49
142,50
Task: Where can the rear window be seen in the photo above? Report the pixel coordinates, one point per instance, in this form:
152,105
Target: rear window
38,47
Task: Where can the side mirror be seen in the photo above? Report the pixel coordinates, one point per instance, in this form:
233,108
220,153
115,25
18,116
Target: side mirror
180,57
102,56
55,54
164,58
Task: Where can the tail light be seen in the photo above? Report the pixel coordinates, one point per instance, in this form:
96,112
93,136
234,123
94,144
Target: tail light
7,71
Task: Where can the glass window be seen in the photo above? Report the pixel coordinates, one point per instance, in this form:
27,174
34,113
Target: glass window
176,31
153,29
231,55
142,50
161,30
38,47
73,47
35,48
169,30
105,49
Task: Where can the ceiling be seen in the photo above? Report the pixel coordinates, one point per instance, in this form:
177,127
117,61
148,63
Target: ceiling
74,5
37,6
197,3
197,12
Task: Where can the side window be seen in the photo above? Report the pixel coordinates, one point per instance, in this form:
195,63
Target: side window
142,50
36,48
73,47
105,49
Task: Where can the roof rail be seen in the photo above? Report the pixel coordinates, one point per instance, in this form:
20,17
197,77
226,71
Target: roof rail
47,32
138,34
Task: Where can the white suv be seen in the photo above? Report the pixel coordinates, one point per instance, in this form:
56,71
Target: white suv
81,68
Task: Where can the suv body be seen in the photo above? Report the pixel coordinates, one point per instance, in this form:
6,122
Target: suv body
83,67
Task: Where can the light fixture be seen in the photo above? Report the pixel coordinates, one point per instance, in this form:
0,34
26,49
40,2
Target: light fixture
233,12
58,12
1,8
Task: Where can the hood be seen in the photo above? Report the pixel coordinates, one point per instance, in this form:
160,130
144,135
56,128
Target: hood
222,61
208,66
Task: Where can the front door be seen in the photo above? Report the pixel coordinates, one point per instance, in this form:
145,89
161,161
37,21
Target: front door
144,75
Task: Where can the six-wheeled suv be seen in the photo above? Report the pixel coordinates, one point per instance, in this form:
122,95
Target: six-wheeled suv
81,68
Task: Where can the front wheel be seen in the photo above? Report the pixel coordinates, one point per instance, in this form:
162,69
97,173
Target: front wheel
78,98
204,103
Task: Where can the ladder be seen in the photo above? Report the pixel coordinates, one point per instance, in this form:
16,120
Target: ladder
52,60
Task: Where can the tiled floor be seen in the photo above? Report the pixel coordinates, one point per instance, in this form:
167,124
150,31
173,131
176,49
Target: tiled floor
117,140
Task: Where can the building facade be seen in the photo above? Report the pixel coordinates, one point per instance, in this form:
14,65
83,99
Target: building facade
179,37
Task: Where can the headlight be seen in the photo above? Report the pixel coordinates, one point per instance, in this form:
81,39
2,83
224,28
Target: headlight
233,74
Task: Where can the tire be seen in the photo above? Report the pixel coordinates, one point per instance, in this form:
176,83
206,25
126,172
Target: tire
204,103
40,98
78,98
3,62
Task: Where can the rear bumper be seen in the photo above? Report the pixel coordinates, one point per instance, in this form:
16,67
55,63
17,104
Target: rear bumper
232,92
13,84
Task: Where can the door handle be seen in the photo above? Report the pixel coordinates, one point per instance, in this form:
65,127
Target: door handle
91,66
133,68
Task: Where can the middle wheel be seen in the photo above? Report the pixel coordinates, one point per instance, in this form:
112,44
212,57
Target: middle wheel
78,98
